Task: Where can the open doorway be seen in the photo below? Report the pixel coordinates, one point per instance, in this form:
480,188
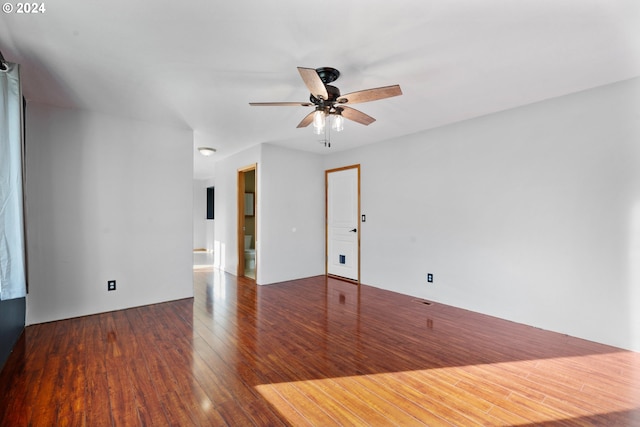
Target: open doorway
247,221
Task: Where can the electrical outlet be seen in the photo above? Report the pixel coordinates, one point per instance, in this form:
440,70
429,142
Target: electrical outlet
429,277
111,285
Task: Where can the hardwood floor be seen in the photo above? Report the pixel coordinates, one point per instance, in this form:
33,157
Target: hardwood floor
312,352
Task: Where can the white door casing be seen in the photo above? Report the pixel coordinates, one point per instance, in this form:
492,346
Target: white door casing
343,222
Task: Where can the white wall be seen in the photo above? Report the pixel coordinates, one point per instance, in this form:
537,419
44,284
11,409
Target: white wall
107,198
290,210
531,214
291,220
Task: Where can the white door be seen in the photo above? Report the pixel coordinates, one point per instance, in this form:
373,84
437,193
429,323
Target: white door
343,225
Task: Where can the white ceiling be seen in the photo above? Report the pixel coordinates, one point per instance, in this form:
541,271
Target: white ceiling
198,63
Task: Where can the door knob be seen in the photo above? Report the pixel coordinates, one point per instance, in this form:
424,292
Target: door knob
354,230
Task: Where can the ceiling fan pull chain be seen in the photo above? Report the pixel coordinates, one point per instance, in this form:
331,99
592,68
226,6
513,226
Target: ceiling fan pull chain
327,132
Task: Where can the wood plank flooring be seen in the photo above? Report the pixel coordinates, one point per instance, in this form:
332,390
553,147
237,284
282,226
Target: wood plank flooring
311,352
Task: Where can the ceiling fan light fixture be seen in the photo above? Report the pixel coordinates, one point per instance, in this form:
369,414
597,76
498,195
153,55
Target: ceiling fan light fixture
207,151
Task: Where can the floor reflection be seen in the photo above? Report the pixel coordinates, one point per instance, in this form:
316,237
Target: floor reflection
322,351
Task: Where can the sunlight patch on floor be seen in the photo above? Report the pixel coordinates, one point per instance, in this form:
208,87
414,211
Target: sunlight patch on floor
509,393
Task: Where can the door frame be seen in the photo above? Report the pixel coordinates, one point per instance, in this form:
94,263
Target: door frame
241,225
326,222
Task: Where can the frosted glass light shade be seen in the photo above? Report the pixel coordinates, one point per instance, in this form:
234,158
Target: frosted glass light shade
206,151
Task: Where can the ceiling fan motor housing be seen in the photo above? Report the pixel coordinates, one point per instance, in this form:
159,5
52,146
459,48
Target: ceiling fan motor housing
333,93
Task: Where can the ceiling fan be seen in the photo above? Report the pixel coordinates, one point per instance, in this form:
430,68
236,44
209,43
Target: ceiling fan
328,101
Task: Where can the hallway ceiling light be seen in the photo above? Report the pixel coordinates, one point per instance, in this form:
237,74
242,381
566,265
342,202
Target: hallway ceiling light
206,151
